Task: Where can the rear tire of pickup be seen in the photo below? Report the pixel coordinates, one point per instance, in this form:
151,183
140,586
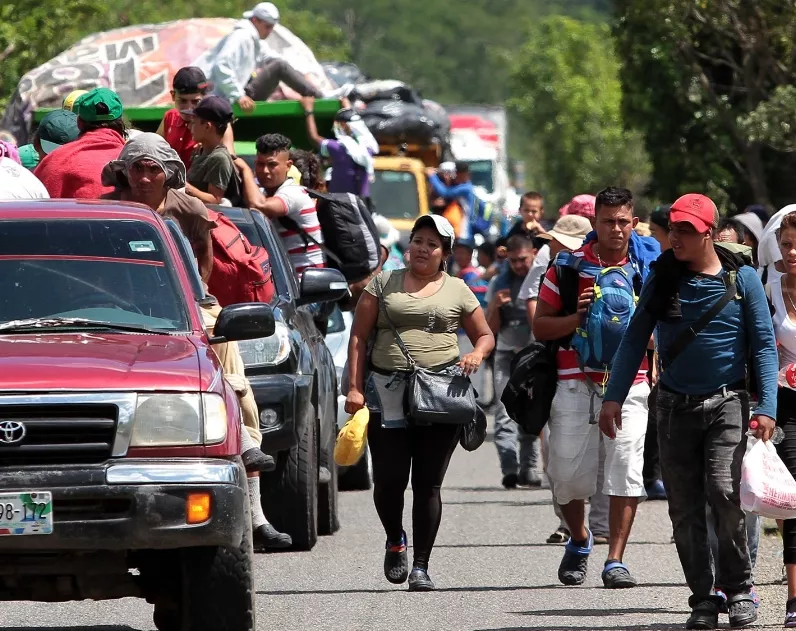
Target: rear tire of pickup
328,518
290,501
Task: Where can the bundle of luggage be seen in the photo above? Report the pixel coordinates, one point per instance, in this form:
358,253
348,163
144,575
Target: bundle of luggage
396,114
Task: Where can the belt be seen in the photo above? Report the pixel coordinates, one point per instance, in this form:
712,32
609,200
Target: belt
738,385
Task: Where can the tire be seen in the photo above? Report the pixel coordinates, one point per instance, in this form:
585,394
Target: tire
328,517
215,591
360,476
290,501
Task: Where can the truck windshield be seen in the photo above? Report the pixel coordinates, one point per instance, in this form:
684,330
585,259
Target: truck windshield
481,174
395,194
104,270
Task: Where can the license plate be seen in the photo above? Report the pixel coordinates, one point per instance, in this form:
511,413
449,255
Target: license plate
28,513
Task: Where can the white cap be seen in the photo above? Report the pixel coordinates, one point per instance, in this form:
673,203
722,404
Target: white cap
388,234
752,223
438,223
448,167
570,231
265,11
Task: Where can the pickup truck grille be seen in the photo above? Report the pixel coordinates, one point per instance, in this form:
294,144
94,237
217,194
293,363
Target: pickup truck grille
56,434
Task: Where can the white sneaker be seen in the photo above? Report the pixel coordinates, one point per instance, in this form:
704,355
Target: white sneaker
340,93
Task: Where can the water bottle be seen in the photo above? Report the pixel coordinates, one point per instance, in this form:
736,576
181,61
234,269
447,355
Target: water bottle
776,437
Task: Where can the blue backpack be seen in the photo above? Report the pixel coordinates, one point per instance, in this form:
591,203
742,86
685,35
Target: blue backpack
597,339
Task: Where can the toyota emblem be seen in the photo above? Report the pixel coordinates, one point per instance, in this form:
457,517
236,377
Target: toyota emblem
12,432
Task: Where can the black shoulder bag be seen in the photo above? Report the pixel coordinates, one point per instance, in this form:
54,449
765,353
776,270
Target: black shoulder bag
433,397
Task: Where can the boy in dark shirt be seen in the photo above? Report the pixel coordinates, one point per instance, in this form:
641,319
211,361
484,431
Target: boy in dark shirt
212,176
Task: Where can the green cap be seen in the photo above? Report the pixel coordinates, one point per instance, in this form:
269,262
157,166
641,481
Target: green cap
28,156
98,105
57,128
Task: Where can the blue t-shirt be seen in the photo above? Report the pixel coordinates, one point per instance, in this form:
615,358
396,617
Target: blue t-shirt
717,357
347,175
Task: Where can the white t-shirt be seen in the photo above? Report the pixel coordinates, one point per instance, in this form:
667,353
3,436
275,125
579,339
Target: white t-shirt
530,288
16,182
300,208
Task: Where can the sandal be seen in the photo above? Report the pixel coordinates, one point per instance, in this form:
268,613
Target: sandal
704,615
742,610
396,565
572,570
559,536
617,576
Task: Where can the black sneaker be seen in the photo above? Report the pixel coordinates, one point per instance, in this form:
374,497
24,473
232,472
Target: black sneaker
529,478
269,538
256,460
396,565
704,615
420,581
510,480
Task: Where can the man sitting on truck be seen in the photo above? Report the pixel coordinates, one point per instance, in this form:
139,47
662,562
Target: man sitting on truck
232,63
351,153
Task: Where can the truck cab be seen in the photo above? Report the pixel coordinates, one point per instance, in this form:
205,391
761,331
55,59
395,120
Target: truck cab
120,472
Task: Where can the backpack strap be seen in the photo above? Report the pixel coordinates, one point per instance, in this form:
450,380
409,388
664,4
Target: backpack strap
291,224
690,334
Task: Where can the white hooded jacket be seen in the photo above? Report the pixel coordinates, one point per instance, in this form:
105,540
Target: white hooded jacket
230,65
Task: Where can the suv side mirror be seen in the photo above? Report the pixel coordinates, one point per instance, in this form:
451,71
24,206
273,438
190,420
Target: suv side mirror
322,285
245,321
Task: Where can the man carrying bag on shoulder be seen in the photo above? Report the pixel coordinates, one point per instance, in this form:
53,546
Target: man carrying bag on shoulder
711,312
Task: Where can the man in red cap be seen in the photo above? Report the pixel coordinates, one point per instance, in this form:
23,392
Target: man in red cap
711,314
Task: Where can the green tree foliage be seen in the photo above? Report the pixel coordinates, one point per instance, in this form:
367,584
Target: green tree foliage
709,84
565,86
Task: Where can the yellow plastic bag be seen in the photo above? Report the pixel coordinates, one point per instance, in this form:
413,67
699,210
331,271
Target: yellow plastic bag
351,439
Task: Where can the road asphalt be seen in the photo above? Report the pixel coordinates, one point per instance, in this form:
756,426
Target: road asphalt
493,571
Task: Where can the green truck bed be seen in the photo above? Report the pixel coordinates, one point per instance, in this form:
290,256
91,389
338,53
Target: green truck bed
283,117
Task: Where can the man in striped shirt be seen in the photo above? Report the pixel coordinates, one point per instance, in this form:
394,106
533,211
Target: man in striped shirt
576,445
285,202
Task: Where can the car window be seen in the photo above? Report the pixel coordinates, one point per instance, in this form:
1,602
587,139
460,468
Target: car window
395,195
116,271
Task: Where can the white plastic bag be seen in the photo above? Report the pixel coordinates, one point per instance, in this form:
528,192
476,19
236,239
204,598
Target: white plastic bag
767,487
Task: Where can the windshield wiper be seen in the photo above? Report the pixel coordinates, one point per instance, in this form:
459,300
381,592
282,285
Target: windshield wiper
55,322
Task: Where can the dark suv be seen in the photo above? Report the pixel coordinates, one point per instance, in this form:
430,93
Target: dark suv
294,381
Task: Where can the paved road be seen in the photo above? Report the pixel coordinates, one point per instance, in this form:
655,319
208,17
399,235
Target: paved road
491,564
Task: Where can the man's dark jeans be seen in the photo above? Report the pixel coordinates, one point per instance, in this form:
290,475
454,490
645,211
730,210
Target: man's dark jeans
702,442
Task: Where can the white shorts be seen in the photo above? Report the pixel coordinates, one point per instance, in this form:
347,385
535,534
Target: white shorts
574,450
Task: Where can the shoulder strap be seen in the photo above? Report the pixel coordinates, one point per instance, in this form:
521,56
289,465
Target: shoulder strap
689,335
383,309
291,224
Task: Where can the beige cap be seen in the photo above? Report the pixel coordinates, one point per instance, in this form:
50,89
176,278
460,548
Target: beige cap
569,231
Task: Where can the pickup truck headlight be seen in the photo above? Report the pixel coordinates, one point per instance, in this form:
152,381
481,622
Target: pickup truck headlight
267,351
174,420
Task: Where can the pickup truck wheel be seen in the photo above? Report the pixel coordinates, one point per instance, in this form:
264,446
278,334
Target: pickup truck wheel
358,477
290,501
218,587
328,518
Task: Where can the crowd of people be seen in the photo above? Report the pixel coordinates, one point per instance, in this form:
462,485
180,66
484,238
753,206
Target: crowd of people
664,413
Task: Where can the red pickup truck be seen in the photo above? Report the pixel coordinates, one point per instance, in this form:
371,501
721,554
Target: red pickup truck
119,437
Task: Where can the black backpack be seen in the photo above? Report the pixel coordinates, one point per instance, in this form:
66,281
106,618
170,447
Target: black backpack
529,393
351,240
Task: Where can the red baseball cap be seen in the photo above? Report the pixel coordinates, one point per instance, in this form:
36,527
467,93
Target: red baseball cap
696,209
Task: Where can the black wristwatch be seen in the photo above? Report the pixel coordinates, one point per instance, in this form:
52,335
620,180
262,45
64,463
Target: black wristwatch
309,112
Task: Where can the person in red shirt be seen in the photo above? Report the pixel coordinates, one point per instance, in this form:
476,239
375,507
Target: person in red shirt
575,439
74,170
189,87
